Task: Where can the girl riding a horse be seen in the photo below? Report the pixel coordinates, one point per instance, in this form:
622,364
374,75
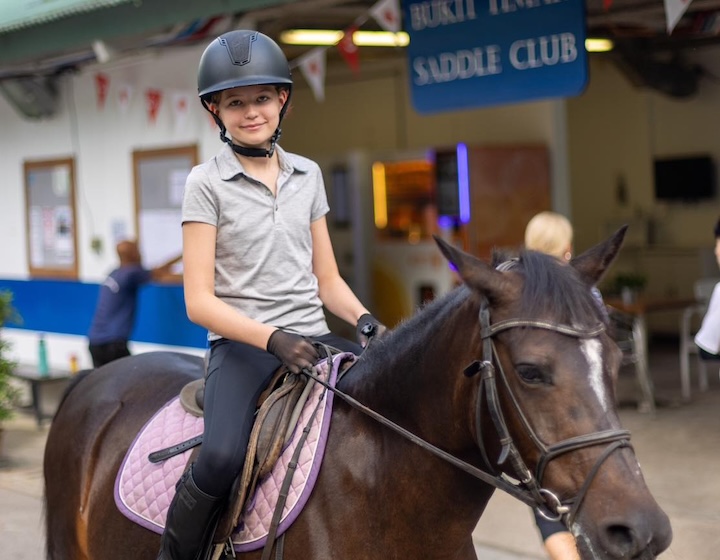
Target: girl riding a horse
258,268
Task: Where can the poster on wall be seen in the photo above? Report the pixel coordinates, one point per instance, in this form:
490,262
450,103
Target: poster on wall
51,235
478,53
51,218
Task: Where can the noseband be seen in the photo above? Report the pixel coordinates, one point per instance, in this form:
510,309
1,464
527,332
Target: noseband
547,503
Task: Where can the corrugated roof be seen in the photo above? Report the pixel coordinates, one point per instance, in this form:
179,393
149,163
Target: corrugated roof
18,14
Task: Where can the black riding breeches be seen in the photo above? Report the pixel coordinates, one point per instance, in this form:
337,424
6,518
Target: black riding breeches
237,374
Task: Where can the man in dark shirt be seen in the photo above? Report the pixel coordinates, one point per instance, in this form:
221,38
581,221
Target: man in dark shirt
115,310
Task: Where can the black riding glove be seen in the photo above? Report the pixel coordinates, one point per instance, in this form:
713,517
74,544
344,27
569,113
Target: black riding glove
368,327
293,350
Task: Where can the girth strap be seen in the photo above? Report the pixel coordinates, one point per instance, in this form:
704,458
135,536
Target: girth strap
177,449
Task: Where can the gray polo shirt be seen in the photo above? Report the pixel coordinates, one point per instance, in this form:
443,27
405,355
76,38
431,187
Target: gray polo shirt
263,250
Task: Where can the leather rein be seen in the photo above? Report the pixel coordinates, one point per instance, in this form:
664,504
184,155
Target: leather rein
529,489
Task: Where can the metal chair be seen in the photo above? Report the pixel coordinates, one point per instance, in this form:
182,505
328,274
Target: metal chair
690,316
630,340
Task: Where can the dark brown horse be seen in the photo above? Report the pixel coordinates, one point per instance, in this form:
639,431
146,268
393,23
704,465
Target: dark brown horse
511,372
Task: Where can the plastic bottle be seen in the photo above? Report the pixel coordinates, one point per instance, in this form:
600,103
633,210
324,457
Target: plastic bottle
73,364
43,367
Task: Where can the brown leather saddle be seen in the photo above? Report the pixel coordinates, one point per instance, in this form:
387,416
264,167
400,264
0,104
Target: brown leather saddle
279,407
278,410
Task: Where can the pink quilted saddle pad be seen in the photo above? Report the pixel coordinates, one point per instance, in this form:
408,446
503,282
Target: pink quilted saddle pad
143,490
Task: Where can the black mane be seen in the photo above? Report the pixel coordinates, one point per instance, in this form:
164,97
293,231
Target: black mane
551,290
555,290
413,332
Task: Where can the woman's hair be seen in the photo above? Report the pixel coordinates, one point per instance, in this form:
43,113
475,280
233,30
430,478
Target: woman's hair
549,232
717,230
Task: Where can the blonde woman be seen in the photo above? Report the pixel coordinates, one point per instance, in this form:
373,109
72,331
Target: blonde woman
552,233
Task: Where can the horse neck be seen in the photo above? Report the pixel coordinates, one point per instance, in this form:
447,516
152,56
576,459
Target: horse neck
415,377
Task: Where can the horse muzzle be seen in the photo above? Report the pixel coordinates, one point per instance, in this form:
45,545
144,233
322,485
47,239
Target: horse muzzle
640,535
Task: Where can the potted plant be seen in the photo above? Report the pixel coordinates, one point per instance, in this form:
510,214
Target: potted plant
629,285
8,392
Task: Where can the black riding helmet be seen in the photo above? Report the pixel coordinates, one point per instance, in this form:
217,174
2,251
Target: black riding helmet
243,58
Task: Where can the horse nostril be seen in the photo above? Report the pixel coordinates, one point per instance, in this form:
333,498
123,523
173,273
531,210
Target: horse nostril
636,537
622,541
620,538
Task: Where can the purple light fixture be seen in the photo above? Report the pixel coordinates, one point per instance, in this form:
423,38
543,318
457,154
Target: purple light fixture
463,165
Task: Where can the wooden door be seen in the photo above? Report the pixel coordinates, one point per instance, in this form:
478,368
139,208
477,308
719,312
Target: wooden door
508,186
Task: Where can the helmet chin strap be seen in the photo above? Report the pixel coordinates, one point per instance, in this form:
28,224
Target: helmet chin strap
251,152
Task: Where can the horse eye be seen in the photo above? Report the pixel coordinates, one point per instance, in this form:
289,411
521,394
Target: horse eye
531,373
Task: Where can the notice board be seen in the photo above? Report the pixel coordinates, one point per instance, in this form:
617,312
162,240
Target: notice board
51,223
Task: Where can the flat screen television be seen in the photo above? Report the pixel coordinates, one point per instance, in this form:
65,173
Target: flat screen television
685,178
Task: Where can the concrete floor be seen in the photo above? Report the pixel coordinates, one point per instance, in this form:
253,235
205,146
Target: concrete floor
678,448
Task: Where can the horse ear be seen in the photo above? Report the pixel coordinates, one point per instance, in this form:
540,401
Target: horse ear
474,272
594,262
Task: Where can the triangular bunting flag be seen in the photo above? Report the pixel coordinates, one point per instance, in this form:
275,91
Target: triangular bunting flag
349,50
125,92
102,83
180,108
674,10
312,66
387,14
153,97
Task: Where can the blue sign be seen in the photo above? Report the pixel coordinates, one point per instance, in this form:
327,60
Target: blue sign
477,53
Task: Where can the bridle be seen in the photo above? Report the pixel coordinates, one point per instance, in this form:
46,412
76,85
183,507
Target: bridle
547,503
529,488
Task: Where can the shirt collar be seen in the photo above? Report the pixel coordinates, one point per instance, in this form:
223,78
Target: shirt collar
230,167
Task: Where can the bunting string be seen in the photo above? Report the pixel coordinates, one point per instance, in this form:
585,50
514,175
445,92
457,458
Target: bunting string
312,65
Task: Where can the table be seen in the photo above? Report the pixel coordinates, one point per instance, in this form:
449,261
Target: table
37,381
637,309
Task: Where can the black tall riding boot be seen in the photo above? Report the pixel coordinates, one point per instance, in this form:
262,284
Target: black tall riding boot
191,521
